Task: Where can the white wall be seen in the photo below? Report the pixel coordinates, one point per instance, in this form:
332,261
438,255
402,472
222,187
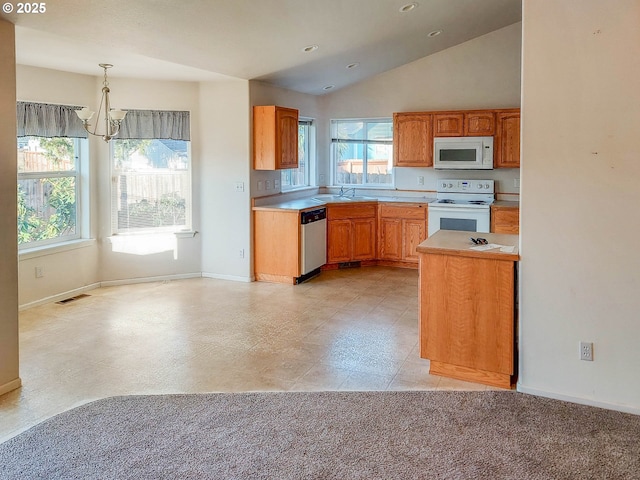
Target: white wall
224,161
98,261
307,106
52,86
481,73
171,256
579,204
9,378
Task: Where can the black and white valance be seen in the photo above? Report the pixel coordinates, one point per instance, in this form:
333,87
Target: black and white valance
48,120
155,124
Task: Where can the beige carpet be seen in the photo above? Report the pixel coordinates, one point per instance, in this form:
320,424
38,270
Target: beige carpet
329,435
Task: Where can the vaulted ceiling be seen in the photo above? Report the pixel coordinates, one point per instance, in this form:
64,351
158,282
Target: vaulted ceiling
250,39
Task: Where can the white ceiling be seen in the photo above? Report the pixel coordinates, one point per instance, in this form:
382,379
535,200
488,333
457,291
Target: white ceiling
250,39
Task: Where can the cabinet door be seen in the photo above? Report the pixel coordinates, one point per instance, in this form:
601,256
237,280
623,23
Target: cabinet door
415,232
412,140
505,219
507,145
448,125
390,239
339,241
287,132
364,238
479,124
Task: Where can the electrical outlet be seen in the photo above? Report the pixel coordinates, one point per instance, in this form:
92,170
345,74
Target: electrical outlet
268,184
242,253
276,184
420,180
260,185
39,272
239,186
586,351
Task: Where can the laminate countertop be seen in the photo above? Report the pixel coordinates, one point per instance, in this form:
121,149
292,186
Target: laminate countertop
322,200
453,242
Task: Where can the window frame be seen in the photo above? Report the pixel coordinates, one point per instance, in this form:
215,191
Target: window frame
365,143
79,153
308,152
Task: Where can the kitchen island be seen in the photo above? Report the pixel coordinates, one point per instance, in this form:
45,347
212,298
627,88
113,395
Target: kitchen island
467,301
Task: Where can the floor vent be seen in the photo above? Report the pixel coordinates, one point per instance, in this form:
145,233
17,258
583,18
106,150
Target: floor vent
72,299
349,265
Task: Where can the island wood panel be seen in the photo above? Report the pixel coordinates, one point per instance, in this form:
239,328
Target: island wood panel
467,316
277,245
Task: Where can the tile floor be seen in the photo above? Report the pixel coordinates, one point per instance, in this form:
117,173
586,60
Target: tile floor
352,329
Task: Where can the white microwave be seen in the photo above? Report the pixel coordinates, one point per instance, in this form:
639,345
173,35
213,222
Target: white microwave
463,153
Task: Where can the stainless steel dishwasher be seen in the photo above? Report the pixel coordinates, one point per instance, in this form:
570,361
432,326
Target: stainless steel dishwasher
313,242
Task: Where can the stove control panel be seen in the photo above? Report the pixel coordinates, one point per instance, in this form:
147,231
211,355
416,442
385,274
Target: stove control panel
466,186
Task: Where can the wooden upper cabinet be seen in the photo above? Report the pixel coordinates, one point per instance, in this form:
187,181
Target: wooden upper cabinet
464,123
448,125
275,137
507,142
479,124
412,140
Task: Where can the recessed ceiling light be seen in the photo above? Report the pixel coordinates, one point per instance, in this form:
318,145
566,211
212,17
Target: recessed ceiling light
408,7
353,65
310,48
435,33
328,87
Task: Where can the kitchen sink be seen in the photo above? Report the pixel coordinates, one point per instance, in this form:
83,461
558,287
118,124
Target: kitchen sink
323,197
327,197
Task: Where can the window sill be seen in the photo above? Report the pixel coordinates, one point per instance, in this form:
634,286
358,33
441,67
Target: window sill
27,253
298,189
181,234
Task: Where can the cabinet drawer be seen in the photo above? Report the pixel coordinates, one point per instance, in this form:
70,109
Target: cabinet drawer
413,212
360,210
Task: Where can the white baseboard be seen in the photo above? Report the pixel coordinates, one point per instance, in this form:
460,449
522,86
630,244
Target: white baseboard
228,277
582,401
130,281
160,278
12,385
59,296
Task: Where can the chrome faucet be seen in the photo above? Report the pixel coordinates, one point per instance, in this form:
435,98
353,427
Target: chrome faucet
343,191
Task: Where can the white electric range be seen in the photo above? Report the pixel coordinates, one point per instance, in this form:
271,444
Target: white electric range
461,205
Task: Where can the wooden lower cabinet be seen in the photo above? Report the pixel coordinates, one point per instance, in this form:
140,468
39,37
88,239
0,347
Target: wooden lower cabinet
505,219
277,245
401,228
351,232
